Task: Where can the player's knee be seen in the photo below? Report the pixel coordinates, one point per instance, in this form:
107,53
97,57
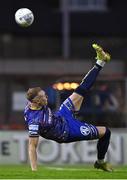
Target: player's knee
104,132
107,134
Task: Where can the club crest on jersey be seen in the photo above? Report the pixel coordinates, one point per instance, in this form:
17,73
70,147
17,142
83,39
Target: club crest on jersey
84,130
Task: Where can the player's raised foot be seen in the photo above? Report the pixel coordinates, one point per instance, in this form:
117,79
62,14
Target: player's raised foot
104,166
101,54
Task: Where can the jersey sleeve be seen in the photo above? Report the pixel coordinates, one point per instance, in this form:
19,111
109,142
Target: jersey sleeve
32,124
33,130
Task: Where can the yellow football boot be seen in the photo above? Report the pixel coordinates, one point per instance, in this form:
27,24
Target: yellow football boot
101,54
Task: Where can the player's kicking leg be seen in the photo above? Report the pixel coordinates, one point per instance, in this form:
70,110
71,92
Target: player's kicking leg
78,96
88,81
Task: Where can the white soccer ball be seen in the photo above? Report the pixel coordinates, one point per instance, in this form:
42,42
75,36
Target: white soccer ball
24,17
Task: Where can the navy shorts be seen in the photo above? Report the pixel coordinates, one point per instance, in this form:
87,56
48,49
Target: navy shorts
78,130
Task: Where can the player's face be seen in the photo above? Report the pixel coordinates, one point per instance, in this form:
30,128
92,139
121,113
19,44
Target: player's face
44,97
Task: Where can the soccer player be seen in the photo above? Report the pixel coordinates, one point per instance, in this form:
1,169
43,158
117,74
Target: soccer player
62,126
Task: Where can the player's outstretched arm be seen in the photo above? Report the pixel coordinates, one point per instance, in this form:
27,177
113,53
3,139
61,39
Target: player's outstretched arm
33,142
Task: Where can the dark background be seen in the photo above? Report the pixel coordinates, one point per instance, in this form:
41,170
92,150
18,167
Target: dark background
48,19
35,56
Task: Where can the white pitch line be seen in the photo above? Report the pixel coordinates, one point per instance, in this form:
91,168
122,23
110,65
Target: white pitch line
68,169
78,169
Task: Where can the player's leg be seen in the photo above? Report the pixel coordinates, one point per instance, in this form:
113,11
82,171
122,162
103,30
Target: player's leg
88,81
102,147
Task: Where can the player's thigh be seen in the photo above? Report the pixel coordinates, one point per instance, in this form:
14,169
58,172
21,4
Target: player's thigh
81,131
101,130
66,109
76,100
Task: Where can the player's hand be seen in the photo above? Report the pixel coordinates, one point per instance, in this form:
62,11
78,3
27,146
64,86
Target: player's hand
34,169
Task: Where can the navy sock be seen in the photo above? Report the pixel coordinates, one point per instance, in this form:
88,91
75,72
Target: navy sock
102,145
88,80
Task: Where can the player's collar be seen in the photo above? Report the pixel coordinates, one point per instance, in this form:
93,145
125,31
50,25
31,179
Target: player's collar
35,108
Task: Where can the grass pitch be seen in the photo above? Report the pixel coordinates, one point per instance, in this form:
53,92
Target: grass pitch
60,172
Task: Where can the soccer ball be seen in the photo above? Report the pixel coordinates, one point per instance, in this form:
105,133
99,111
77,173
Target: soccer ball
24,17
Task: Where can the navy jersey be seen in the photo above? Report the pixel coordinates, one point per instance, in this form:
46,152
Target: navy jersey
42,122
61,126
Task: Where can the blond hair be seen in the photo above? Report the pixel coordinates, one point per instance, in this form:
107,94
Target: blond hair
32,93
